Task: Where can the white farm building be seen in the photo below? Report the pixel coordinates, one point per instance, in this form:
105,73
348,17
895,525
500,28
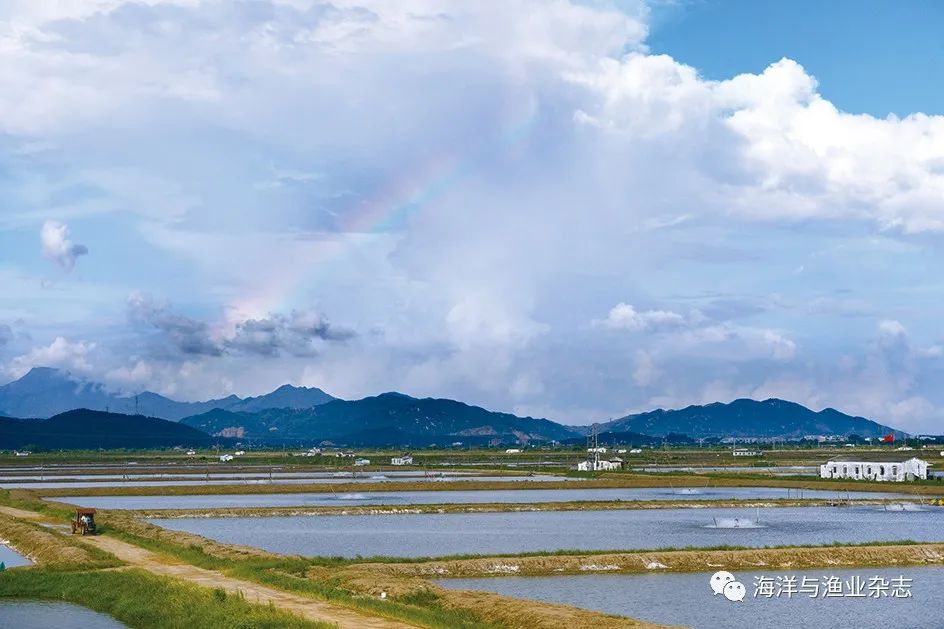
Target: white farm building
595,464
746,452
598,465
405,459
894,471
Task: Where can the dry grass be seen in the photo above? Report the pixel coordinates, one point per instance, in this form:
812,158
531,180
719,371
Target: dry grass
522,614
503,611
131,525
669,561
49,547
495,507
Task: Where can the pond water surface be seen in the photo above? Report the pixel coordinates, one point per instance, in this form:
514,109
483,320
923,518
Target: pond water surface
11,558
48,615
659,598
431,535
457,497
377,477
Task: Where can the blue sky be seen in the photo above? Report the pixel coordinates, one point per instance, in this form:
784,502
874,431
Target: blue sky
565,209
869,57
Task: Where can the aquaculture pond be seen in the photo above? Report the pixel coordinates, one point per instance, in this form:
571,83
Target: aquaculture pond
429,535
44,615
459,497
687,599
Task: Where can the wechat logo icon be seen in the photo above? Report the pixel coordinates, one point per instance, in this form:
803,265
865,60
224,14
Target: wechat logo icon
727,585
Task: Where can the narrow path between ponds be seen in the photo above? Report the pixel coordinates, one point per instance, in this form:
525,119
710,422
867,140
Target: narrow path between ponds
20,513
254,593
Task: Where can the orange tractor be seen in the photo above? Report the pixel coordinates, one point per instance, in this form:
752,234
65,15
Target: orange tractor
84,522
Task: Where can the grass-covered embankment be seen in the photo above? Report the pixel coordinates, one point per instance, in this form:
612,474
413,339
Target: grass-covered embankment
498,507
880,554
50,547
140,599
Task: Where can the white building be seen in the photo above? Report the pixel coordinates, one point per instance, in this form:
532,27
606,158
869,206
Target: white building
598,465
595,464
226,457
895,471
513,451
361,462
406,459
598,450
745,452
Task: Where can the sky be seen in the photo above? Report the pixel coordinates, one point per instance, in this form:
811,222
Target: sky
566,209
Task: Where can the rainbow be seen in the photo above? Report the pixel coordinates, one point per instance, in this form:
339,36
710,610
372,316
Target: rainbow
385,212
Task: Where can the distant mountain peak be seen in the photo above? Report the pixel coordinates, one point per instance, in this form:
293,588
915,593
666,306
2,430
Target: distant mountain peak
45,374
46,391
395,394
745,417
40,371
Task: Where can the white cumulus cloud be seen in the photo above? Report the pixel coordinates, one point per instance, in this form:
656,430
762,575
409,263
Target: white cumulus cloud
624,316
57,246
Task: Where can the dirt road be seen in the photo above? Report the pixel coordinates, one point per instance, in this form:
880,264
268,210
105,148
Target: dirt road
253,592
20,513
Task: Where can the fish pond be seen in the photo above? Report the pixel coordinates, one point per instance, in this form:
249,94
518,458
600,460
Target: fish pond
770,602
90,482
514,496
436,535
45,614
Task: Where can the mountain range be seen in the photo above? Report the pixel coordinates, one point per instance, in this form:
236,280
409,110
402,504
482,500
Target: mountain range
387,419
748,418
292,415
44,392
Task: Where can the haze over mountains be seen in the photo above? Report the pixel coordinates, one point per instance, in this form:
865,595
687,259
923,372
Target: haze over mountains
291,415
44,392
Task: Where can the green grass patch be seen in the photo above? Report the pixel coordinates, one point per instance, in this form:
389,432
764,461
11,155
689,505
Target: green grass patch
290,574
140,599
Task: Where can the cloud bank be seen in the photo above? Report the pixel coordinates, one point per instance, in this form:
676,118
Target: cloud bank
516,203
